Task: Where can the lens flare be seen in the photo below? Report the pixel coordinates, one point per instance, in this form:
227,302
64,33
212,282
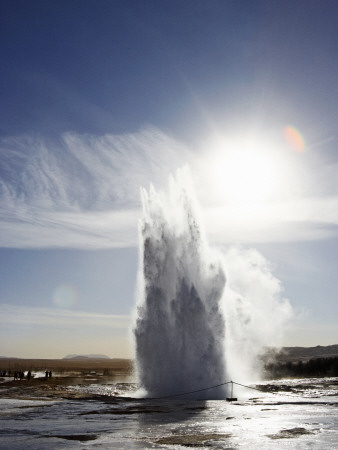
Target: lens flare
65,296
294,138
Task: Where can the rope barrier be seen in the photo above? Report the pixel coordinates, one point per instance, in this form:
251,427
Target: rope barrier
191,392
223,384
267,392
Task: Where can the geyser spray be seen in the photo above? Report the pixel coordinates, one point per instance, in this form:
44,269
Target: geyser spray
180,328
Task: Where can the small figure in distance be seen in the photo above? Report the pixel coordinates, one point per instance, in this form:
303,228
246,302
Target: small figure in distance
46,374
50,374
29,374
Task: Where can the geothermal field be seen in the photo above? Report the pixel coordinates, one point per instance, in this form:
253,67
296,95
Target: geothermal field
200,330
81,410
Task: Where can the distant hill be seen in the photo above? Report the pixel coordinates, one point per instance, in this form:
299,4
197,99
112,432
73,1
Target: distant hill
304,362
91,356
290,354
306,353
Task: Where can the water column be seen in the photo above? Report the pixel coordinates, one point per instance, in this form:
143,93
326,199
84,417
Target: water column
180,329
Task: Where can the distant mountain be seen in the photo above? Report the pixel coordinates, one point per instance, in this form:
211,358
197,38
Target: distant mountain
91,356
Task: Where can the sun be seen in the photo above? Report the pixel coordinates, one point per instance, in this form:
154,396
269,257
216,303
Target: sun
245,171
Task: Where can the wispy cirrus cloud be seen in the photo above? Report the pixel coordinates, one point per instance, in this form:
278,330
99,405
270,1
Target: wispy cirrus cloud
58,318
59,229
84,171
82,191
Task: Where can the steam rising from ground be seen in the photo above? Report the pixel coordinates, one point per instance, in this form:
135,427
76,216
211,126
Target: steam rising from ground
192,331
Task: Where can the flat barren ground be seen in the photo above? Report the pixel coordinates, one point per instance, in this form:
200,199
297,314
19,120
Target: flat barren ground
65,373
67,365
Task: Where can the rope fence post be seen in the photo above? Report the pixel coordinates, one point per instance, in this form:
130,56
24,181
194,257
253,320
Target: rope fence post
232,398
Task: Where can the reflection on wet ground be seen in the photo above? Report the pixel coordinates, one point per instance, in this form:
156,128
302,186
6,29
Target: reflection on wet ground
301,413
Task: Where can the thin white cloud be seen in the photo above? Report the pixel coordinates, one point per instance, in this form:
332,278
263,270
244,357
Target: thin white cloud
90,230
32,332
83,192
304,219
47,318
83,171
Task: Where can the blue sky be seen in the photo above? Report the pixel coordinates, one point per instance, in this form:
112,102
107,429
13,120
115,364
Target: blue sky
100,98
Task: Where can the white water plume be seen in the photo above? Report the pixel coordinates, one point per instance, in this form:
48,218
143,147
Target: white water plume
180,326
193,330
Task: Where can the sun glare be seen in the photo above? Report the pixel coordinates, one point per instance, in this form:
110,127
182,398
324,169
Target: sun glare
248,186
245,171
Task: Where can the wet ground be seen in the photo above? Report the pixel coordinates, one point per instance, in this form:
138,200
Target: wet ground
73,413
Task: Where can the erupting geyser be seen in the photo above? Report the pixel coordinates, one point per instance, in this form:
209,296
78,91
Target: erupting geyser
180,328
195,329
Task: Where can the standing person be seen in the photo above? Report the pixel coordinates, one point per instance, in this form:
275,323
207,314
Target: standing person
29,374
